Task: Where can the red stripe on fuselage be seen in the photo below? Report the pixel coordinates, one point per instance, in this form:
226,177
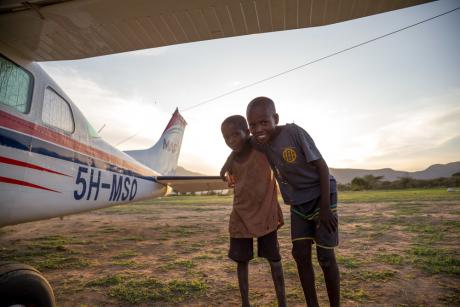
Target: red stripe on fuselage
24,183
28,165
18,124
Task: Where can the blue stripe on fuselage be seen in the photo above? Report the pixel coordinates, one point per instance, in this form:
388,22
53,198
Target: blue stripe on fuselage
23,142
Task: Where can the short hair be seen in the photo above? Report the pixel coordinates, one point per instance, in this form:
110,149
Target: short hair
238,120
263,102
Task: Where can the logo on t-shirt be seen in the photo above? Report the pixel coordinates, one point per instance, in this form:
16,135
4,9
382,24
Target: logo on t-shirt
289,155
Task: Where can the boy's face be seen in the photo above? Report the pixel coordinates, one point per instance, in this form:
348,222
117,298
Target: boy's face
234,136
262,123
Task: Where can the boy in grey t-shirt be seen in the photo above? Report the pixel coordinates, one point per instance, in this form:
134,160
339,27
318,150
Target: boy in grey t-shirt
305,183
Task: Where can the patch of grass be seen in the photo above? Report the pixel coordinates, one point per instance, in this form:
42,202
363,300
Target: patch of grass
220,240
203,257
422,228
70,286
427,233
196,199
229,268
201,209
290,269
348,262
393,259
434,260
382,227
452,299
134,289
107,281
376,275
294,294
126,254
50,252
127,263
436,194
131,238
404,210
146,290
454,225
133,208
358,295
179,264
230,287
185,231
108,229
61,262
185,246
258,260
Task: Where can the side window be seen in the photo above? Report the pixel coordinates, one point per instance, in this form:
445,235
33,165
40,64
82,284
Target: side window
56,111
15,86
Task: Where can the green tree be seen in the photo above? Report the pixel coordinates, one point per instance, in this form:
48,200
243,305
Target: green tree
373,182
359,183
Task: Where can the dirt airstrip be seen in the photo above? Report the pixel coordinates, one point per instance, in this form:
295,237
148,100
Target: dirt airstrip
172,251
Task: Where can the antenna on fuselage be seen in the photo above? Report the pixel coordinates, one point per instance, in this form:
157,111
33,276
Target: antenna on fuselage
100,129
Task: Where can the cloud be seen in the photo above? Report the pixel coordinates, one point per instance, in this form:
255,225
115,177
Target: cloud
413,140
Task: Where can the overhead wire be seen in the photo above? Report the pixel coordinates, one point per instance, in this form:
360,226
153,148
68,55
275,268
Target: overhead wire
314,61
127,139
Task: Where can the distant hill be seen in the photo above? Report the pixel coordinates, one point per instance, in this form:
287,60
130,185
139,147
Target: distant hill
345,175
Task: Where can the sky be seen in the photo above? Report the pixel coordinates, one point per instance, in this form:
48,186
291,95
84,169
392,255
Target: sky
391,103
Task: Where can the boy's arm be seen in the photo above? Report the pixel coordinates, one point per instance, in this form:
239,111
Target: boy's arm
326,218
227,166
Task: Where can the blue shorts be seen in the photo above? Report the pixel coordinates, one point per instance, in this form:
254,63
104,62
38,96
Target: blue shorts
305,223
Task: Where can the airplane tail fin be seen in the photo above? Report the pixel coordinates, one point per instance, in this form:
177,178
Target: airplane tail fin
162,157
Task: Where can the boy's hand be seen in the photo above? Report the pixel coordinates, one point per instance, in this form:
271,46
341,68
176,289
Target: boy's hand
227,166
230,180
327,219
222,174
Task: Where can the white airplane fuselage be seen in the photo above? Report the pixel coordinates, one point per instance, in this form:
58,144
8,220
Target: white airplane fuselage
48,171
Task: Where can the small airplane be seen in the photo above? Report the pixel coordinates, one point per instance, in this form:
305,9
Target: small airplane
52,161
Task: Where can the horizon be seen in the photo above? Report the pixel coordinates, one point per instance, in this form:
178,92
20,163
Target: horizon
389,104
364,169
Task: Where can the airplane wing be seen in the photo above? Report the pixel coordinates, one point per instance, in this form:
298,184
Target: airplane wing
44,30
193,183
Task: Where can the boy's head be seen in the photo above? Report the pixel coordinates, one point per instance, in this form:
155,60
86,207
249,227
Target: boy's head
262,118
235,132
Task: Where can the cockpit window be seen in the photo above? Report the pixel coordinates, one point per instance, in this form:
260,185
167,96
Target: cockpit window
56,112
15,86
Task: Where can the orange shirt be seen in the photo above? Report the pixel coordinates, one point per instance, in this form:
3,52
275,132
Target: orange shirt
256,211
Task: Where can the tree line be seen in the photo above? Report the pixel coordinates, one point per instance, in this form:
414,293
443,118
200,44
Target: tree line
371,182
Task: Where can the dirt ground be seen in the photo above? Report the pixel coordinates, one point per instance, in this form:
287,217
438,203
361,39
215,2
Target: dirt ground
172,251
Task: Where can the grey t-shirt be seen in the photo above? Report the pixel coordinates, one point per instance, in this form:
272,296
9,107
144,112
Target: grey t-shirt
289,154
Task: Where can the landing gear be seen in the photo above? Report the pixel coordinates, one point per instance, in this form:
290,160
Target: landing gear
22,285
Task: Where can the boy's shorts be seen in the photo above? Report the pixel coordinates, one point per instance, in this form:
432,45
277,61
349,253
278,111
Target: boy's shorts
305,222
241,249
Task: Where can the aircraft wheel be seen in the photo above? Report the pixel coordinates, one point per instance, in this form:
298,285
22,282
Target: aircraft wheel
22,285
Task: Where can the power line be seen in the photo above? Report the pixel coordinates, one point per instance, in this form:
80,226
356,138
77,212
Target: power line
315,61
126,139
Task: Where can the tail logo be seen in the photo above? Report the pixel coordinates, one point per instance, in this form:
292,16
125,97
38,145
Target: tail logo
170,146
